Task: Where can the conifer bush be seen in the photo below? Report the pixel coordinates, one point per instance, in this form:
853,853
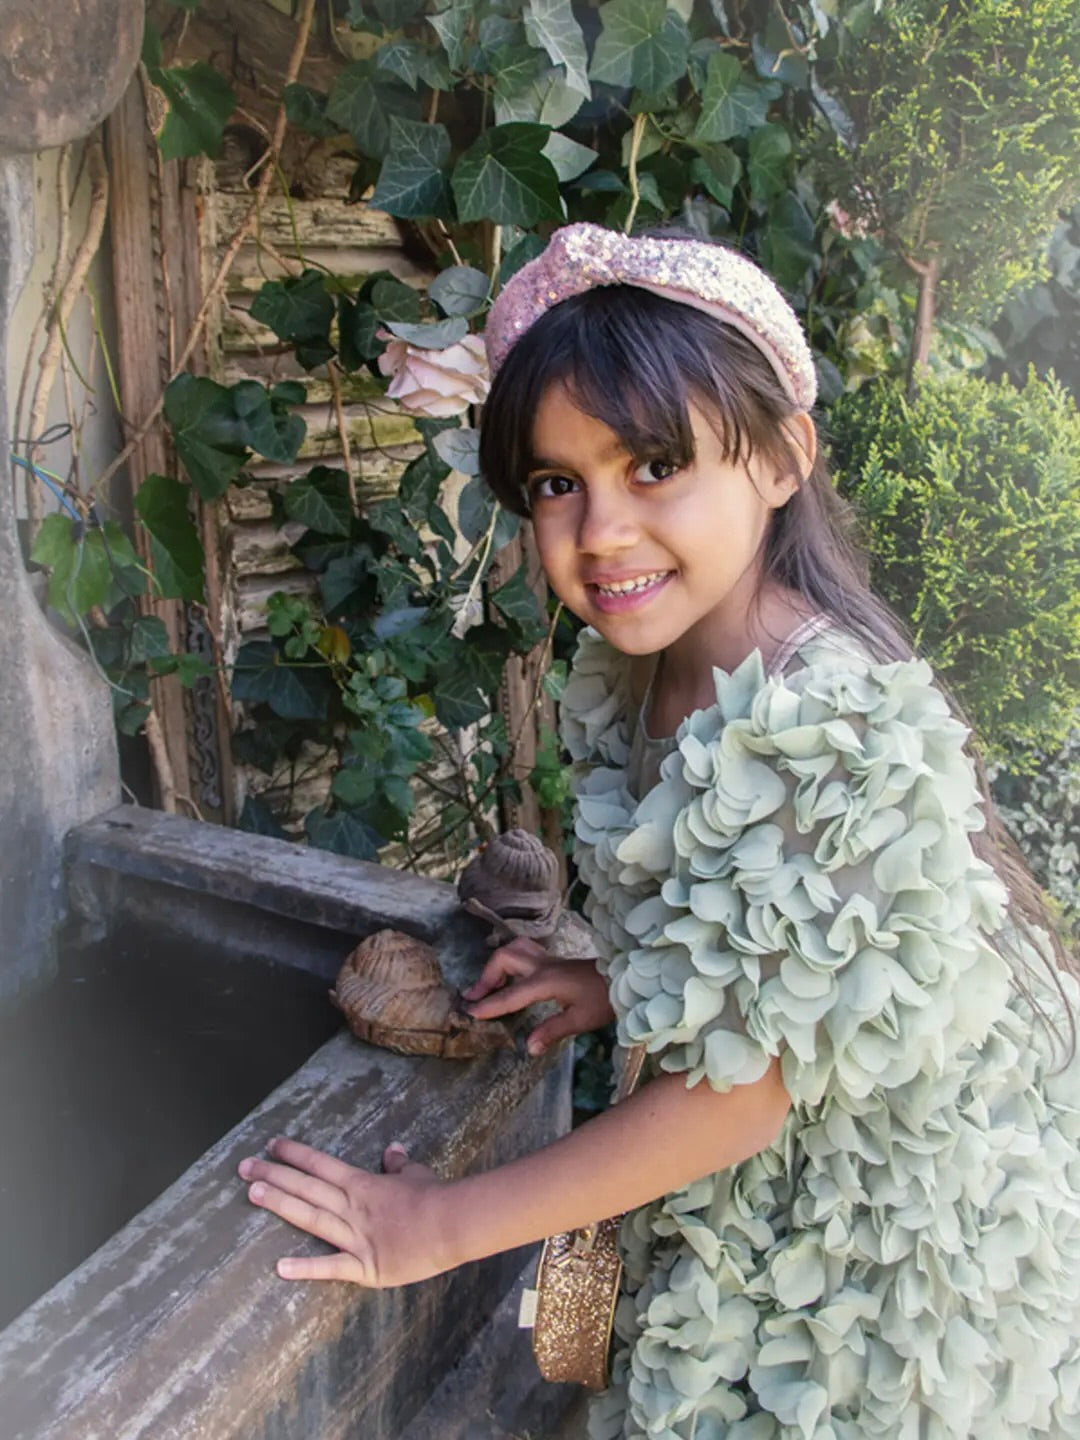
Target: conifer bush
969,493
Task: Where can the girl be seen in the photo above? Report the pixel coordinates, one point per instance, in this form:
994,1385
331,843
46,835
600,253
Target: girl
851,1180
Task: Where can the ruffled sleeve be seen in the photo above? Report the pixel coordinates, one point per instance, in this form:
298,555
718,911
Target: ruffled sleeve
801,883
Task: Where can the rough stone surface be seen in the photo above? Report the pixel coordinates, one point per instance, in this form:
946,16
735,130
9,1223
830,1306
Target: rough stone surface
58,761
63,67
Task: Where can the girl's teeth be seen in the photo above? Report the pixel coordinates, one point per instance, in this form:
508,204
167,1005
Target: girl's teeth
631,585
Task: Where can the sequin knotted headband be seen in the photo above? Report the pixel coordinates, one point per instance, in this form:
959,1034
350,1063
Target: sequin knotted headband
718,281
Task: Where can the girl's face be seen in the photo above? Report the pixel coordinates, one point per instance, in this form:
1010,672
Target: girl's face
651,555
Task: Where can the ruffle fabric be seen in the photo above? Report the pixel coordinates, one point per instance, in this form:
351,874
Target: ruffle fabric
904,1262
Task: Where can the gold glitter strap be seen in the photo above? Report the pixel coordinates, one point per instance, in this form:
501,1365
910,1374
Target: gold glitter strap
633,1065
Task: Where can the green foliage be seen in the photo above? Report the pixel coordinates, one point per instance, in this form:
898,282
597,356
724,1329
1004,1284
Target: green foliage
1040,804
497,119
965,122
971,498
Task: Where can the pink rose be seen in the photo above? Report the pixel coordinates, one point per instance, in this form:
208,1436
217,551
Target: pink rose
438,383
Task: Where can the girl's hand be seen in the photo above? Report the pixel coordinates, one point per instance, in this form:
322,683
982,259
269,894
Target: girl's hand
385,1227
522,974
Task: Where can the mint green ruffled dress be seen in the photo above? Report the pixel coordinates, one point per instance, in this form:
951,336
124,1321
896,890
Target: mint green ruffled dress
904,1262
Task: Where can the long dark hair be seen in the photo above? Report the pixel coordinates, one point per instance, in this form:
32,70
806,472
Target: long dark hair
634,361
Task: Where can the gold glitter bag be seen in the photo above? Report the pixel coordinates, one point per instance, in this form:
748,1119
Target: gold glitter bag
577,1285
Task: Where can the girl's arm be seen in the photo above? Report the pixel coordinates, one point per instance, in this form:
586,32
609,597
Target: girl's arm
408,1225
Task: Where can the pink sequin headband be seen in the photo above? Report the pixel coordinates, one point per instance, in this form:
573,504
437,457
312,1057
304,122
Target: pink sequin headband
720,282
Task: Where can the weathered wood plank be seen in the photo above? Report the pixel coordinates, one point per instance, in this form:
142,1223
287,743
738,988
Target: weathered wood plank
142,364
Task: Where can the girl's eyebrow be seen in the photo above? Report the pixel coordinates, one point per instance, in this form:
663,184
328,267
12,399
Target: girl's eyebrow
610,452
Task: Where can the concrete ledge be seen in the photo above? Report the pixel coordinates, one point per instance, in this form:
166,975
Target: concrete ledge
179,1328
276,876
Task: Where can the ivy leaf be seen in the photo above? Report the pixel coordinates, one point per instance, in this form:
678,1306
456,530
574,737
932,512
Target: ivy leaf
321,501
388,519
476,505
516,602
568,157
149,639
717,170
297,309
357,341
363,101
787,247
732,103
526,249
305,109
776,56
515,68
258,819
644,45
161,502
419,487
459,699
547,100
505,178
294,693
202,417
450,26
460,449
347,580
391,298
342,833
267,423
200,103
770,152
400,58
172,583
412,181
551,26
54,544
459,290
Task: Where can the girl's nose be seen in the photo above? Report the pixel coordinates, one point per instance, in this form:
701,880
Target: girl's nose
607,525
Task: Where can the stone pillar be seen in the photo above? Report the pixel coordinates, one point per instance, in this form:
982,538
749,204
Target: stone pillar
62,69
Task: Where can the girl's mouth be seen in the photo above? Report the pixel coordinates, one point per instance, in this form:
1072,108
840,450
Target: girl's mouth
629,594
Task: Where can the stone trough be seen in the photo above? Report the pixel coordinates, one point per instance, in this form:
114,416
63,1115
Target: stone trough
177,1325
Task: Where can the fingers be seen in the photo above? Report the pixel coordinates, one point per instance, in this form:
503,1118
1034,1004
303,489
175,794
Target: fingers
311,1161
312,1218
511,998
520,957
557,1027
322,1267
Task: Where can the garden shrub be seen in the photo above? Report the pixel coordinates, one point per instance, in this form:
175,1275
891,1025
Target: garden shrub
1042,809
970,497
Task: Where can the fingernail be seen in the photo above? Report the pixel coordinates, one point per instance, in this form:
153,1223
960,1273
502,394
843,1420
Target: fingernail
536,1047
257,1191
397,1147
245,1168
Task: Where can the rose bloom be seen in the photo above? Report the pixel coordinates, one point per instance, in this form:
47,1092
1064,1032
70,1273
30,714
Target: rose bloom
438,383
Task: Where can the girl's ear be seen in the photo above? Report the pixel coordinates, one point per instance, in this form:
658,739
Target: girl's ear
802,435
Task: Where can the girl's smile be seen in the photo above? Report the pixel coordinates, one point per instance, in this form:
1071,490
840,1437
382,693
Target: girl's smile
655,553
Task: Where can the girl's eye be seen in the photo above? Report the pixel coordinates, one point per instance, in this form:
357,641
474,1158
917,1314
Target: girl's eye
652,472
549,487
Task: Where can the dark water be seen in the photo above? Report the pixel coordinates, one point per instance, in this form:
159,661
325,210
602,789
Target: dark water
140,1056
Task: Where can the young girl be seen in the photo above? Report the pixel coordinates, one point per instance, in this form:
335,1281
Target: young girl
851,1178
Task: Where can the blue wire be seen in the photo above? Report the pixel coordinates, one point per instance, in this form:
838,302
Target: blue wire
40,475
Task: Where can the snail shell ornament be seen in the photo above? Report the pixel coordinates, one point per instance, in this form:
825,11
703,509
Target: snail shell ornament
392,993
514,884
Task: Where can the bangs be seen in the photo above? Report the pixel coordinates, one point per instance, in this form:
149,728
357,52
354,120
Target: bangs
633,361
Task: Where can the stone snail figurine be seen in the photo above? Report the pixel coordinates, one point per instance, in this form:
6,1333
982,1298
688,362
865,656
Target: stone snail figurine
513,883
392,993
